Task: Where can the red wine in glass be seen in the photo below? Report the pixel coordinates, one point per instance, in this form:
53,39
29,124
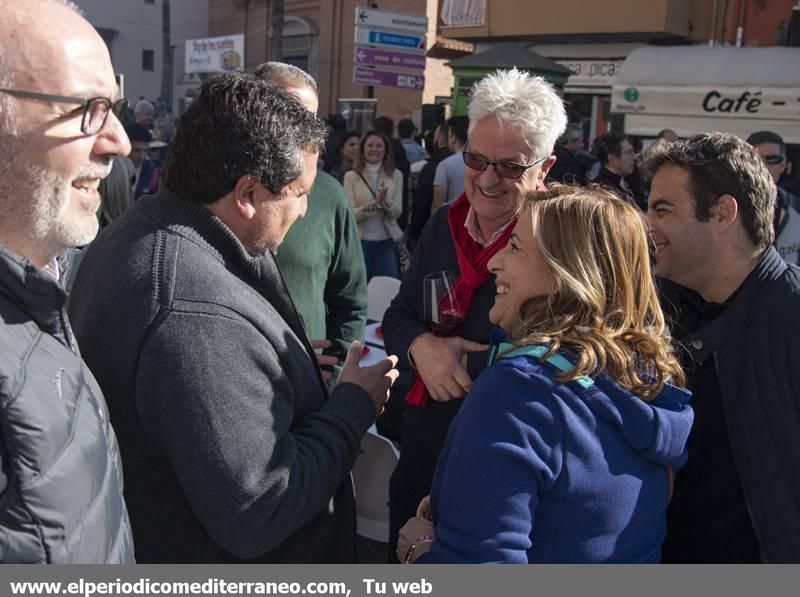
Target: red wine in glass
447,324
440,306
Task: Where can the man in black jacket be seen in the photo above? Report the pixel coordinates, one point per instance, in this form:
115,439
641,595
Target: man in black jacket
233,448
733,305
618,160
386,125
423,194
569,168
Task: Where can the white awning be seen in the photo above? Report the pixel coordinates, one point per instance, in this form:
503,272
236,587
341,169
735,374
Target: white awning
695,89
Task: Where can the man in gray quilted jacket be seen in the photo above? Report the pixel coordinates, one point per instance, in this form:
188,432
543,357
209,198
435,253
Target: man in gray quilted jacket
60,472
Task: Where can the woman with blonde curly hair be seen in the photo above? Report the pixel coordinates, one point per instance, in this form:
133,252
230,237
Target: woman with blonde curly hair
564,448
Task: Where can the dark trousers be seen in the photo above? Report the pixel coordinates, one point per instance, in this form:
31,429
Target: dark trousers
410,482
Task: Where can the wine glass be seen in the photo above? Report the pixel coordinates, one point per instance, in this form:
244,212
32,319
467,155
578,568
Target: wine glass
440,306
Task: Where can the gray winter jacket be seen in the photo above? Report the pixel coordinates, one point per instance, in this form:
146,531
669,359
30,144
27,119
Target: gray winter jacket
61,479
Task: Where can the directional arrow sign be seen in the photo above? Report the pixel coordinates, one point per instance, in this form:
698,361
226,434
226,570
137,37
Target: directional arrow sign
381,19
389,39
375,57
383,78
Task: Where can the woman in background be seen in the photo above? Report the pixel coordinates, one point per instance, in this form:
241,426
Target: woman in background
375,188
346,152
564,448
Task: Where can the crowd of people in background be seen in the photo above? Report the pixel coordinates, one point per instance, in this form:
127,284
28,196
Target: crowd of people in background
432,170
612,375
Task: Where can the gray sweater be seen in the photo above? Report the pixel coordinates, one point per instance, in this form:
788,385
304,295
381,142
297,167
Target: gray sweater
233,449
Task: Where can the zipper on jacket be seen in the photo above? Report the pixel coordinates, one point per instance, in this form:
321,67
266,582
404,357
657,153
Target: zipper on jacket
72,344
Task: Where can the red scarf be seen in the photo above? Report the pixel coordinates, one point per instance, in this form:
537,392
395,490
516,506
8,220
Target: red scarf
473,262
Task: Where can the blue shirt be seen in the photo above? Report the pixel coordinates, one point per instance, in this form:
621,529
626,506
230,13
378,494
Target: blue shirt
414,151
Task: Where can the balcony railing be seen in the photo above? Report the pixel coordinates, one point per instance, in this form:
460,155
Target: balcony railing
463,13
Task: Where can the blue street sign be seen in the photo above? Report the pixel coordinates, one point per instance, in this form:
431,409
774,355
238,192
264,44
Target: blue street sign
372,37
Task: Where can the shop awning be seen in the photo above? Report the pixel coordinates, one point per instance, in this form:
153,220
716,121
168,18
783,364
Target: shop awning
695,89
512,55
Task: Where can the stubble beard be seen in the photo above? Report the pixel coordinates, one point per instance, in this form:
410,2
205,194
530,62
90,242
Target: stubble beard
36,203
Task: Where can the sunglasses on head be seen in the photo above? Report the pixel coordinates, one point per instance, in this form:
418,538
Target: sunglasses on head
773,160
504,168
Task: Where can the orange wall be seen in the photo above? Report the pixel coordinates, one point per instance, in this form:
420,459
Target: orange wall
685,18
526,18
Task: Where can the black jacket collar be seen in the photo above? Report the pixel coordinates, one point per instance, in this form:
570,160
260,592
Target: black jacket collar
731,323
33,291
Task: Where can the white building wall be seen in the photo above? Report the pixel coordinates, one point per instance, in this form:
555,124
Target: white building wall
138,24
189,21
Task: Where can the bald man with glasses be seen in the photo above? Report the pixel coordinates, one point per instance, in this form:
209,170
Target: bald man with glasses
61,476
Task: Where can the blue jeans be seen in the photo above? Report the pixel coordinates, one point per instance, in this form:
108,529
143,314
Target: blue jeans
380,257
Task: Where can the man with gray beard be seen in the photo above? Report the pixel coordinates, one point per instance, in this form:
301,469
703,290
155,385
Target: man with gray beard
60,474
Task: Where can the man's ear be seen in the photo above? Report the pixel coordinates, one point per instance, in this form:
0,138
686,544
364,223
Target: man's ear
725,213
546,165
244,196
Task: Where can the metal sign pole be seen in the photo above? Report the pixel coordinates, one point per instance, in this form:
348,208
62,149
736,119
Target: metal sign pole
370,88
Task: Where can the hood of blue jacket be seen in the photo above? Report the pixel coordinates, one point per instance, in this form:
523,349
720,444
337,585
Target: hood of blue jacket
658,429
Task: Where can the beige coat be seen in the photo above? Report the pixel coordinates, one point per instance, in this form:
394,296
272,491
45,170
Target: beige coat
363,202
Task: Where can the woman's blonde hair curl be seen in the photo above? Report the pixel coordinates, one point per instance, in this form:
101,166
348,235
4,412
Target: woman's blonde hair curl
604,308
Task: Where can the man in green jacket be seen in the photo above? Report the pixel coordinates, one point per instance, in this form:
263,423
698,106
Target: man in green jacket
321,258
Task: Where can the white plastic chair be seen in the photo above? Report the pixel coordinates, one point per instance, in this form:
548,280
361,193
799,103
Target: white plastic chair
371,474
380,292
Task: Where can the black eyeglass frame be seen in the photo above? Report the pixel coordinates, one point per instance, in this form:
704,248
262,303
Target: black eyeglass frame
495,163
117,107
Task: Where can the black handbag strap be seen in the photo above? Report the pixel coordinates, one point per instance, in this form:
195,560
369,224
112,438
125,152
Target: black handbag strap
374,196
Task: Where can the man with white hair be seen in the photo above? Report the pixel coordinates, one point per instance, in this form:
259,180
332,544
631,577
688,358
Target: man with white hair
61,478
145,113
514,121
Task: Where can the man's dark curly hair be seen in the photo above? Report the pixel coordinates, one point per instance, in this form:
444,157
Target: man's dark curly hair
722,164
239,126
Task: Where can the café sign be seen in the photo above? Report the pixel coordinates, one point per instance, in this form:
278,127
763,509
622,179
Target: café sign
781,103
